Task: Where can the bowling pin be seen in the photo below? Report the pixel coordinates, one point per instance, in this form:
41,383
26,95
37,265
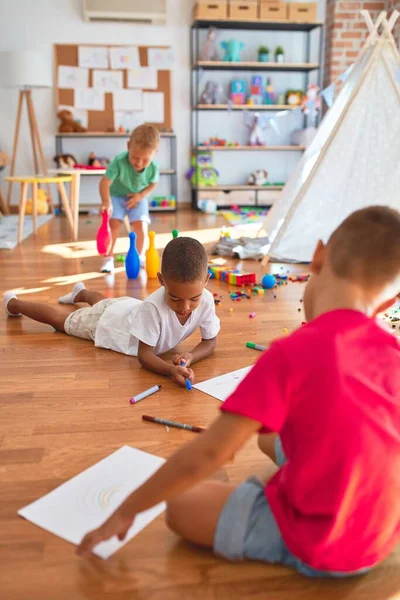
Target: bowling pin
103,238
132,260
152,258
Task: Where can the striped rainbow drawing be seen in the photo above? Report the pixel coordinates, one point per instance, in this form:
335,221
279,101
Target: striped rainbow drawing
104,497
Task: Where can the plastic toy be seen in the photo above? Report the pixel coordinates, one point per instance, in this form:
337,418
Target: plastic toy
103,237
132,260
97,161
232,49
268,281
152,258
294,97
120,258
202,173
175,234
232,276
41,204
207,206
269,97
256,90
252,315
163,202
256,124
209,49
259,177
238,92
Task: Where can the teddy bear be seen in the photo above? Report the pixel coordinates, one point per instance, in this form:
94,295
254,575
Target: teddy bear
68,125
259,177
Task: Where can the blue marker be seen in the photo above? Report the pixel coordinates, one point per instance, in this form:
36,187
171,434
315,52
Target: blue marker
187,381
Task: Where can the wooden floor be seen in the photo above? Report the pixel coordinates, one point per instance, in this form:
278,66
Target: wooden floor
64,406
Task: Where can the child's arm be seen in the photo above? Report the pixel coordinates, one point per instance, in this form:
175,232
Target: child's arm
150,361
104,189
137,197
202,350
192,463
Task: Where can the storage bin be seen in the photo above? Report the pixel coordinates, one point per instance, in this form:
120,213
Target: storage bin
273,11
218,9
304,12
246,10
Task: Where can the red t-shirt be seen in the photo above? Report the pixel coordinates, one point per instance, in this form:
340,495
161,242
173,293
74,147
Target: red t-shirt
332,392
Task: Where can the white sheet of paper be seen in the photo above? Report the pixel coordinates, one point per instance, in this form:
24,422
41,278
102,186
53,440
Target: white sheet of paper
125,57
129,120
143,78
128,100
160,58
222,387
72,77
153,107
89,99
80,115
93,57
107,80
88,499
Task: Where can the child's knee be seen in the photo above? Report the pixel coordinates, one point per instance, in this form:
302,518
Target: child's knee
173,513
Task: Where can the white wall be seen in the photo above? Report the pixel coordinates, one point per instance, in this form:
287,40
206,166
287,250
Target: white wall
27,24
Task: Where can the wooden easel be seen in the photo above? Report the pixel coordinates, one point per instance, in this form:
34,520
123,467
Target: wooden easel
37,149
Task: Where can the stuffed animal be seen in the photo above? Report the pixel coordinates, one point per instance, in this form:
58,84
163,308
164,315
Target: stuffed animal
68,125
202,173
208,94
256,124
259,177
294,97
42,205
97,161
232,49
209,49
65,161
311,96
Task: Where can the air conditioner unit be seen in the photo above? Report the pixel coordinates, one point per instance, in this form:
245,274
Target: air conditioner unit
136,11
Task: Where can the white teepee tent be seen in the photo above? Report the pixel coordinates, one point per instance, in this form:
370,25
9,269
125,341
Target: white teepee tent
354,160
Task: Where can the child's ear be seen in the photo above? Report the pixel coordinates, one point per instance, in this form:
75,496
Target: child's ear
160,279
207,279
318,259
386,305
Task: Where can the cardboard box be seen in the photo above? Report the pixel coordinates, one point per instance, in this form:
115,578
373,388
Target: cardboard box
303,12
243,10
273,11
213,9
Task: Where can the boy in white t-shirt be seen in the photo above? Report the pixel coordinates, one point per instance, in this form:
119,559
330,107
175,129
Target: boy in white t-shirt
143,329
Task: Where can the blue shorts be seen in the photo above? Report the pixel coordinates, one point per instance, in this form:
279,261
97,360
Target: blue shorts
247,529
139,213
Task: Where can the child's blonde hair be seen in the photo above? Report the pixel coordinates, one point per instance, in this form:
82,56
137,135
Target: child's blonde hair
145,137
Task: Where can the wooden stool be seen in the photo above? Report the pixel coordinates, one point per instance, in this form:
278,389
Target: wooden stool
35,180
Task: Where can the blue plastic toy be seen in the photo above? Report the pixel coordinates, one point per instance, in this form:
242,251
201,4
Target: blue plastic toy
232,49
268,281
132,260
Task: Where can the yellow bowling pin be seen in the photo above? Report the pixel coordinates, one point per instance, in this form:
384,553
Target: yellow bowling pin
152,258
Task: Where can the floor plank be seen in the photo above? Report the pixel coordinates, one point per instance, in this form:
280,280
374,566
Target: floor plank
64,406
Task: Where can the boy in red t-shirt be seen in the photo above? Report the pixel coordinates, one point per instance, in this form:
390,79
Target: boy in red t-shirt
331,390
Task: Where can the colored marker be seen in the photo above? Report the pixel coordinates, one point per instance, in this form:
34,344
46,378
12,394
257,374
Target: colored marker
187,381
173,424
144,395
255,346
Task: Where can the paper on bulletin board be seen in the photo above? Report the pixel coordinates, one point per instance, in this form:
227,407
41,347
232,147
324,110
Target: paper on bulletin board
160,58
93,57
153,107
80,115
128,100
107,80
72,77
128,120
126,57
143,78
89,99
87,500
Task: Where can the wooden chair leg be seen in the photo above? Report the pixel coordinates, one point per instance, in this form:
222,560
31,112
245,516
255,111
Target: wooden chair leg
75,191
34,205
22,208
67,208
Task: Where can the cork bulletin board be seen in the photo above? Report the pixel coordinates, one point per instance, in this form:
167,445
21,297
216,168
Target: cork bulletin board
103,121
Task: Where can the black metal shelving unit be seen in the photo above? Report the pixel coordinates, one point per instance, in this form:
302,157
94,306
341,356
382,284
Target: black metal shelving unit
199,66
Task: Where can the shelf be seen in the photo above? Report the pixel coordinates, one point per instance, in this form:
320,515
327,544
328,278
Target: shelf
217,65
256,24
244,187
92,134
252,148
255,107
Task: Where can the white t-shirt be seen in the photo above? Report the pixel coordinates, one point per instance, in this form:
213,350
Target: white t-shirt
129,320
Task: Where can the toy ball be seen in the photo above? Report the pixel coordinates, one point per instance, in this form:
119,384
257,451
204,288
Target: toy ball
268,281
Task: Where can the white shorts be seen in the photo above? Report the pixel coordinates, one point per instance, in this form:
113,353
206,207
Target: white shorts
83,322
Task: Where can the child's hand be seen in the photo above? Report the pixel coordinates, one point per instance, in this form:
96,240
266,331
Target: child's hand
117,525
185,358
107,208
180,374
133,201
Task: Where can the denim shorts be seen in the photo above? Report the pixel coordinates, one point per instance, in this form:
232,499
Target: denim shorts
139,213
247,529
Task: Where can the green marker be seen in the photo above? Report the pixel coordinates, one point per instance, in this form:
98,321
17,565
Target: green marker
255,346
175,233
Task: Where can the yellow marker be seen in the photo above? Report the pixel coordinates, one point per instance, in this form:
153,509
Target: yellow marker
152,258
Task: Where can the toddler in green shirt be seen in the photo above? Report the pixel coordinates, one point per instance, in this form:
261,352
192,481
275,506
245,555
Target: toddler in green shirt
124,189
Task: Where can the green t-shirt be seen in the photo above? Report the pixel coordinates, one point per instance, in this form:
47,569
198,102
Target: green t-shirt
126,180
